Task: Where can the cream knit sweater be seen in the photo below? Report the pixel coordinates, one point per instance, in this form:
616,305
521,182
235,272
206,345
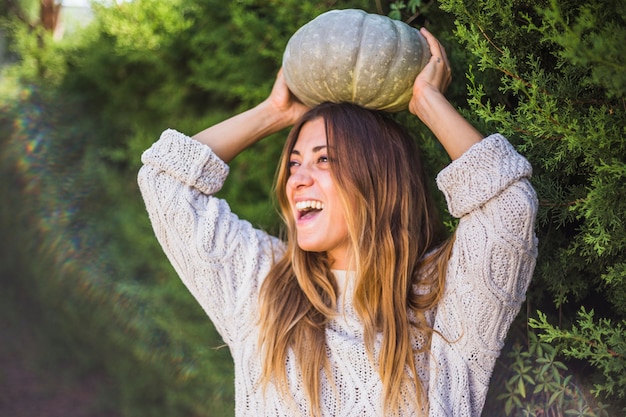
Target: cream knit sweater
223,260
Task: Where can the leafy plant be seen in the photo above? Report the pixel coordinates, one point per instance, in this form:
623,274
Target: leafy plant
602,343
539,73
537,384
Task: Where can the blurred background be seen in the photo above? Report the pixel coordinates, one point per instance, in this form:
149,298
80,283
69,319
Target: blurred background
93,319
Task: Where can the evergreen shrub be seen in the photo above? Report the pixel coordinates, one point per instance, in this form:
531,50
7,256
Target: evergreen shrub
551,76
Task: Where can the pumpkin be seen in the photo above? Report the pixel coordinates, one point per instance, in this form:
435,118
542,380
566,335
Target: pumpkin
353,56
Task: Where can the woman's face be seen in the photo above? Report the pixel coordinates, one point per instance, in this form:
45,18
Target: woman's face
314,199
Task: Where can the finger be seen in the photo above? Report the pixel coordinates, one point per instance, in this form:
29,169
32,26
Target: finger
433,44
439,57
436,49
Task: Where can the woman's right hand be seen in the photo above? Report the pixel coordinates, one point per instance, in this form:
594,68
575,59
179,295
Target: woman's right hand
284,102
279,110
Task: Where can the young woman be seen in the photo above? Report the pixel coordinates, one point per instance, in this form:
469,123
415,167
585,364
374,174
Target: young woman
364,310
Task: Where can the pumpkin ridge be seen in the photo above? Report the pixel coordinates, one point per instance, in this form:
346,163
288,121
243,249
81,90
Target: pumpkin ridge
358,62
371,91
404,91
301,85
387,87
340,70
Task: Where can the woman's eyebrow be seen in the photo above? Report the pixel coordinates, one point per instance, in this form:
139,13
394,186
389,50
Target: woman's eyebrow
315,149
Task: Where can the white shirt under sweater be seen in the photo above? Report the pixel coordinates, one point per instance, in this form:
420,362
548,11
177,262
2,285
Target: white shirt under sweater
223,260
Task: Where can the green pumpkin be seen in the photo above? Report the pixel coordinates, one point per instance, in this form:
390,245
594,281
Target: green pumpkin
353,56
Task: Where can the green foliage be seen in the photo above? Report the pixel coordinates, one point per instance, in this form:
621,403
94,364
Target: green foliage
27,10
523,83
591,37
537,384
41,60
408,11
130,317
601,343
550,76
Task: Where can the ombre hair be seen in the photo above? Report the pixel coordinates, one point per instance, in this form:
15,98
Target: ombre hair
398,246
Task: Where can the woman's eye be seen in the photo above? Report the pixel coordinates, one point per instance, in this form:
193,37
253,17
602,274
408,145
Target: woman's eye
322,159
293,164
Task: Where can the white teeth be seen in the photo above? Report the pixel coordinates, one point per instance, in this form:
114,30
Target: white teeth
309,205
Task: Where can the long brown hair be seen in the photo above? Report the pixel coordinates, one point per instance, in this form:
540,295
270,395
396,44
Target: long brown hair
397,238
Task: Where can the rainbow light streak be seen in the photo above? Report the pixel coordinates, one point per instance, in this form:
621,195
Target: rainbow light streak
51,170
37,152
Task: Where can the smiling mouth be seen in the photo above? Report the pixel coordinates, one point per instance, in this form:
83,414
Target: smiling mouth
308,208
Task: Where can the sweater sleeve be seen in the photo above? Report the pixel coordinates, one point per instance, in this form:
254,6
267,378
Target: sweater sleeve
220,258
489,271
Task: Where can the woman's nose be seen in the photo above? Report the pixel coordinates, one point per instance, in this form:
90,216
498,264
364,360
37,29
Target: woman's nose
301,177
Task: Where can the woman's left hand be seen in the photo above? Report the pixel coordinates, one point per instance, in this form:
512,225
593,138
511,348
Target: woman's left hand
435,77
434,110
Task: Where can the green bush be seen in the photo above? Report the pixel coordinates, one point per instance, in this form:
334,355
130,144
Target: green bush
552,77
537,384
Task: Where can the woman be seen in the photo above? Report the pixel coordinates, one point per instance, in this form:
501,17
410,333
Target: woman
363,310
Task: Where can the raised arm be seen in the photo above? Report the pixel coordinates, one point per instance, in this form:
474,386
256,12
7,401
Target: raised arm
219,257
280,110
428,103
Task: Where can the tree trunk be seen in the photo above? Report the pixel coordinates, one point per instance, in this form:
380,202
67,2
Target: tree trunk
49,14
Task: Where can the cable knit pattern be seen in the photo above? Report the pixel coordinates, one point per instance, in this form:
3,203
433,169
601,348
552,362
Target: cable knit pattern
222,260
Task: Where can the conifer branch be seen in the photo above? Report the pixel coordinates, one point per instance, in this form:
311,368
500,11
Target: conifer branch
412,18
546,203
591,343
503,70
489,39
